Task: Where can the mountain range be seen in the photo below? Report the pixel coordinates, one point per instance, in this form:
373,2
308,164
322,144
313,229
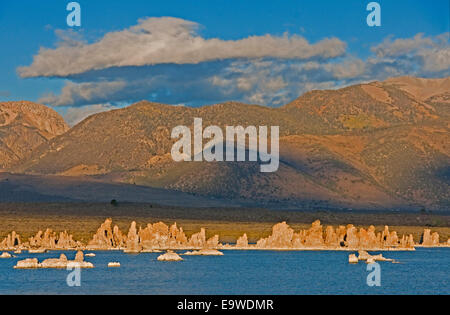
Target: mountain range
380,145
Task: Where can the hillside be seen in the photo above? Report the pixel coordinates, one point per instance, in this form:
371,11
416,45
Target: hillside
435,92
359,107
376,145
23,127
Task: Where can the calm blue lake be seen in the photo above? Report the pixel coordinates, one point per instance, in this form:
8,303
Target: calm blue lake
425,271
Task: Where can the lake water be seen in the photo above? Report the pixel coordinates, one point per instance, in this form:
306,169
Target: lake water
425,271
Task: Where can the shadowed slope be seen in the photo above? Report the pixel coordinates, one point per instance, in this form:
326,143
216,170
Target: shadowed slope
377,145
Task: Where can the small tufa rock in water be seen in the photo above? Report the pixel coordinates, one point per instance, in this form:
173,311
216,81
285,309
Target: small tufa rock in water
170,256
30,263
151,251
204,252
5,255
370,260
352,259
79,257
37,251
363,255
58,263
113,265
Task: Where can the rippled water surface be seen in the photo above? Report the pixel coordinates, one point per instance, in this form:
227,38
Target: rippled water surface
425,271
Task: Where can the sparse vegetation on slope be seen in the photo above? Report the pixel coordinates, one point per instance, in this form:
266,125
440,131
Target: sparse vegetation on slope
377,145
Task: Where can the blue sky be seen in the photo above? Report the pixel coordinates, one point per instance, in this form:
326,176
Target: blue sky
25,26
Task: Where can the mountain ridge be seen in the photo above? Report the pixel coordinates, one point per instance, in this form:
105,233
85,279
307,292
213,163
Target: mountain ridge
23,127
374,145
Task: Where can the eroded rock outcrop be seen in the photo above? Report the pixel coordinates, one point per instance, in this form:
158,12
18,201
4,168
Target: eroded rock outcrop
314,236
11,242
107,237
159,236
242,242
170,256
53,240
281,237
349,237
133,244
369,239
332,238
429,239
153,237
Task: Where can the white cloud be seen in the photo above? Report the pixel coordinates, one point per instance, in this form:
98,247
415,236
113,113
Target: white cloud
401,46
168,40
347,69
436,59
426,54
165,60
86,93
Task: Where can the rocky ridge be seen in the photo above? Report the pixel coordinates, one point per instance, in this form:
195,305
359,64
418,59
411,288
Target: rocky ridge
23,127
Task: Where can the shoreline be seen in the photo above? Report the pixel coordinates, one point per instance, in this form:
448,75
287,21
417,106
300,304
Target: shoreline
82,219
160,237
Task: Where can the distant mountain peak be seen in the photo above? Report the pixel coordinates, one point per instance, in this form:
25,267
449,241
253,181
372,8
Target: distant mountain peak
24,126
